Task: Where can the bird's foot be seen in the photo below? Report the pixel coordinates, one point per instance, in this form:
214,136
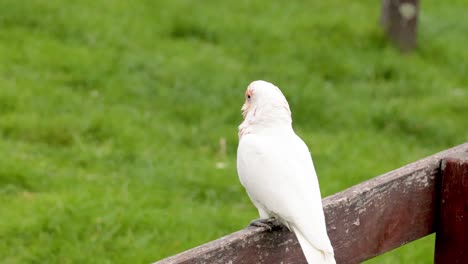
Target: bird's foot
269,223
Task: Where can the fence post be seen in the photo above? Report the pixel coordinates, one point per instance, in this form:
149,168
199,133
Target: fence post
452,223
399,19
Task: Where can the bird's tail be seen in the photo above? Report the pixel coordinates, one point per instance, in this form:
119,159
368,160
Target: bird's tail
313,254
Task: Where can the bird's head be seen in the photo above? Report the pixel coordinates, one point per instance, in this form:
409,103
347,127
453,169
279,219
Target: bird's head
265,104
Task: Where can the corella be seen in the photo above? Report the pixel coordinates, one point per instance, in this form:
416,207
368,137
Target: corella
276,169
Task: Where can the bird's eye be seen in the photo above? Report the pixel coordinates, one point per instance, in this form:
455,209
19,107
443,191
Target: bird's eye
248,96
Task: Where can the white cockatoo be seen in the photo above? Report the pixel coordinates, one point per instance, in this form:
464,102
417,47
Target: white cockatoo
276,169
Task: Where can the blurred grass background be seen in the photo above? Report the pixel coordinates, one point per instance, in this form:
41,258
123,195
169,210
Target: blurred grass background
112,112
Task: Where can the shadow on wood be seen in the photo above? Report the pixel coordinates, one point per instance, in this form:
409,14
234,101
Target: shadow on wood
363,221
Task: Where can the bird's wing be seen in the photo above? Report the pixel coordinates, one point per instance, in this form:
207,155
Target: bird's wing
279,174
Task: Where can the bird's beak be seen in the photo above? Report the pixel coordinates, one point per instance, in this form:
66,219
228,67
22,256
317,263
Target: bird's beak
245,109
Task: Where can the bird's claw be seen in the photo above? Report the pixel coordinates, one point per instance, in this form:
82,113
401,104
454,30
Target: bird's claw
268,223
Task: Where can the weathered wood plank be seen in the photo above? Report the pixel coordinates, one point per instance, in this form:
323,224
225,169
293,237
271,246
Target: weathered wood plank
399,19
385,212
452,221
363,221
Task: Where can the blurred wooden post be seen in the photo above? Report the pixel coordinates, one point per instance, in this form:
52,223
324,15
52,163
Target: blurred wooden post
452,222
399,19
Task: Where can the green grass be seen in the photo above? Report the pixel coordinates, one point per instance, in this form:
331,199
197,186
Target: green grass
111,113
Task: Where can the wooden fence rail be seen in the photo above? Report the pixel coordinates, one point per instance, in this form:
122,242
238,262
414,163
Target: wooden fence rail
368,219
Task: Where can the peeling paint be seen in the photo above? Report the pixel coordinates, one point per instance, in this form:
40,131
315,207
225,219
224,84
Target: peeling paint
443,165
422,178
357,222
286,242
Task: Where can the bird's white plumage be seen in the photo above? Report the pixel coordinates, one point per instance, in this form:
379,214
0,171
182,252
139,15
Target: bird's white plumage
276,169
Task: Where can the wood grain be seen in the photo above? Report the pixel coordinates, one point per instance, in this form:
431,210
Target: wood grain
452,224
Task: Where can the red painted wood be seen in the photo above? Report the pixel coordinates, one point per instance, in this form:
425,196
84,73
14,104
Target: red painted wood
452,224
